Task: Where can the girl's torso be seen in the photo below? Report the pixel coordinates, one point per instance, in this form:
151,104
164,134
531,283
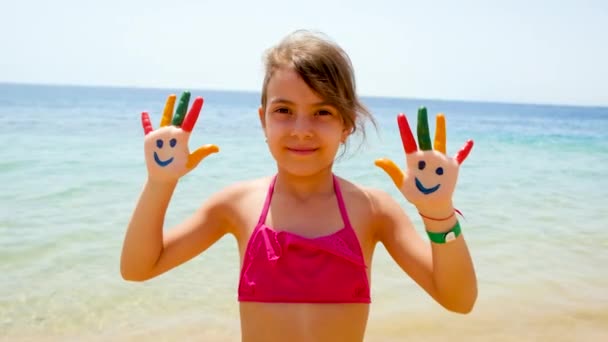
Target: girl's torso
318,217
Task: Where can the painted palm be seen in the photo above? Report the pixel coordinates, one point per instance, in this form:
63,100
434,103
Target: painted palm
430,176
166,149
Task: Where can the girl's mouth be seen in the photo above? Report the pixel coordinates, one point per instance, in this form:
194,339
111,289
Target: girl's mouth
302,150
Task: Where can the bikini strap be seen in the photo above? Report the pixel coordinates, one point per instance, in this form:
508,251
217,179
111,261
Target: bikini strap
264,212
341,204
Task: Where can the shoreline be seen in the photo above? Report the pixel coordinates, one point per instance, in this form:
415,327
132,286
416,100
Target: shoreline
504,320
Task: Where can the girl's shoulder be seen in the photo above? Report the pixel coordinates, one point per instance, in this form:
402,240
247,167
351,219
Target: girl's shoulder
235,202
366,194
377,203
371,211
244,189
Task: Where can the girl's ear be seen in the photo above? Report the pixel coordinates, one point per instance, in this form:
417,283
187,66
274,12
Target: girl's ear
262,117
345,133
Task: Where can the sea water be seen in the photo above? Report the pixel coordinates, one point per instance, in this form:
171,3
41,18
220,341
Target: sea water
533,193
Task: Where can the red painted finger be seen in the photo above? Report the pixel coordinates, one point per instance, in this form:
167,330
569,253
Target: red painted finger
409,144
464,152
192,116
145,122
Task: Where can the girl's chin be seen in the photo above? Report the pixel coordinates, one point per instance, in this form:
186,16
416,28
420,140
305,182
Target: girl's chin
304,169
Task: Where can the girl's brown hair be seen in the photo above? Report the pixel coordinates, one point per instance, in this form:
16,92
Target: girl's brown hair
325,68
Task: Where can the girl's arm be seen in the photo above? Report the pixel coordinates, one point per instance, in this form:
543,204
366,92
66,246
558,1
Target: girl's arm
444,271
149,251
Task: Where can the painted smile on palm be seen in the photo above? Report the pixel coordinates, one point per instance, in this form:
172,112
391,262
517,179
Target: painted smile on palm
159,145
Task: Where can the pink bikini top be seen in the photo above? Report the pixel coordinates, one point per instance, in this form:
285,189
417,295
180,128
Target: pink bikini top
284,267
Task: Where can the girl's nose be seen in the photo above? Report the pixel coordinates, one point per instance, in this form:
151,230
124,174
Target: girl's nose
302,127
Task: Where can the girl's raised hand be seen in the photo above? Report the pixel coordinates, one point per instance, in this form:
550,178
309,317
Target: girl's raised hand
166,149
430,176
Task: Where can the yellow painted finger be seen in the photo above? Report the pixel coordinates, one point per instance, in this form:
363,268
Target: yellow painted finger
195,157
168,112
392,170
440,134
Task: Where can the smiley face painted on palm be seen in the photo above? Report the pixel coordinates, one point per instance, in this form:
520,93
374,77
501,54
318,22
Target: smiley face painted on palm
431,175
159,145
420,186
166,148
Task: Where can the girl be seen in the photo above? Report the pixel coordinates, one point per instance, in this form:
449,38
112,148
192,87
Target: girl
305,236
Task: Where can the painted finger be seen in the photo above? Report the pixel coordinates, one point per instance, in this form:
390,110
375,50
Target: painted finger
168,111
440,133
464,152
192,116
392,170
182,107
409,144
424,136
145,122
195,157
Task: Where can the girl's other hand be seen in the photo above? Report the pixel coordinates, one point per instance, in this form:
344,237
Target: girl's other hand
166,149
430,176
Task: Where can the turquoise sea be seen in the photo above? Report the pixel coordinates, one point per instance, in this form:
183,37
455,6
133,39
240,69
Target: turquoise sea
533,192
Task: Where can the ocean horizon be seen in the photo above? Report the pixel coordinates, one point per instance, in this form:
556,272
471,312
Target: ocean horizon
203,90
533,193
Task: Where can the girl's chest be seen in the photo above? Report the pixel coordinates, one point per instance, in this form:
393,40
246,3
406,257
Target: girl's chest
311,221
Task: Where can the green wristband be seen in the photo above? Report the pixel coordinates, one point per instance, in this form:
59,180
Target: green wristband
444,237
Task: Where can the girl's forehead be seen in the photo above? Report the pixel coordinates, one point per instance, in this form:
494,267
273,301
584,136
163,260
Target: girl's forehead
286,85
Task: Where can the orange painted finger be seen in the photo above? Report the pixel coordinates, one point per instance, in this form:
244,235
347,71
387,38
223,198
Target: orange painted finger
168,111
440,135
195,157
392,170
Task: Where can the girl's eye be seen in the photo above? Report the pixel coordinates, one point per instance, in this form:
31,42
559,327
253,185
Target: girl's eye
282,110
324,112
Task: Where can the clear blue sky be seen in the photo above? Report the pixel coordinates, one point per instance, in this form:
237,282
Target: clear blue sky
511,50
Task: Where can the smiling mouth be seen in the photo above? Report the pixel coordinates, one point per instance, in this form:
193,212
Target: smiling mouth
160,162
425,190
302,150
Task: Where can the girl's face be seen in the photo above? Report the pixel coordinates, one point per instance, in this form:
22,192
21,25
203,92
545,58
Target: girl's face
303,132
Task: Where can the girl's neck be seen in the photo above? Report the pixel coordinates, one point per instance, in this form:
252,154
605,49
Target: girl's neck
305,187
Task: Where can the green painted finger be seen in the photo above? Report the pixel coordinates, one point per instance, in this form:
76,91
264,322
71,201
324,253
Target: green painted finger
424,136
182,107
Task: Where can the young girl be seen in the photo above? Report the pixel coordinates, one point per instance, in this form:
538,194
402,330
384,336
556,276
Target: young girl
305,236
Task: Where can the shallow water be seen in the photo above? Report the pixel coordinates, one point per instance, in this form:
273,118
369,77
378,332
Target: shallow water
533,193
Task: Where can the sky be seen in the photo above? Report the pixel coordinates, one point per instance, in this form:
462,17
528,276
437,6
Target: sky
546,52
